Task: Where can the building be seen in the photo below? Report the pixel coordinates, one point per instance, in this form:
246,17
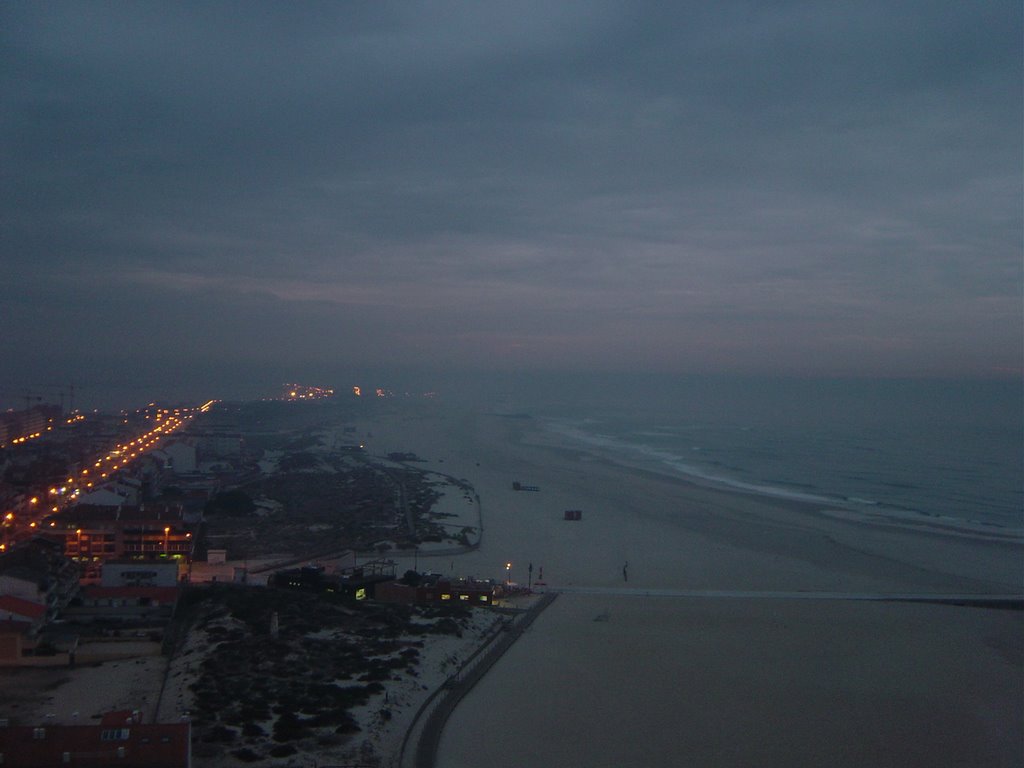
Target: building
139,573
150,532
37,572
182,455
433,588
124,604
119,739
358,582
14,640
104,497
17,610
212,445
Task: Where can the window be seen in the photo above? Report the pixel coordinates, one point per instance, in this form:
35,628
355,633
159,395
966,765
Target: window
463,597
38,733
445,596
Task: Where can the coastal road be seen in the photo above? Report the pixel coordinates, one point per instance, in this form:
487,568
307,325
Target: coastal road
1004,601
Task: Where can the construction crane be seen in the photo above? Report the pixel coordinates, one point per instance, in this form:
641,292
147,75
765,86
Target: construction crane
28,397
56,391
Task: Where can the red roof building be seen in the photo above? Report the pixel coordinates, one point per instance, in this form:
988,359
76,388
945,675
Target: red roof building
118,740
16,609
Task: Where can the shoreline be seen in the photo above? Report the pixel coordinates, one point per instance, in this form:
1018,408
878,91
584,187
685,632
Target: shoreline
546,437
858,521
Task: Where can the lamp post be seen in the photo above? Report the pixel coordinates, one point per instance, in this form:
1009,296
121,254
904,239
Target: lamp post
508,574
167,533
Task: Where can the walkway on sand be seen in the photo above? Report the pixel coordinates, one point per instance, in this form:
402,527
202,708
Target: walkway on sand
976,599
426,732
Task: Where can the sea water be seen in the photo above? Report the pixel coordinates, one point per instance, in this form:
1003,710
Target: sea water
949,450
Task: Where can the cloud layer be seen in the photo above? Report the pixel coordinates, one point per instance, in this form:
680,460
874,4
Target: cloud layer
789,188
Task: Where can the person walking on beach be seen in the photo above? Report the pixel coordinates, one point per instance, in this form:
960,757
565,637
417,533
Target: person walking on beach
625,572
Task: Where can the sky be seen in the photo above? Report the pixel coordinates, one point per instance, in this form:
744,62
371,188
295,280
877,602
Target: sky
205,195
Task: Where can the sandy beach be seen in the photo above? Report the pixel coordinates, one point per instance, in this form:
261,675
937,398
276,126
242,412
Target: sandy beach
641,681
673,533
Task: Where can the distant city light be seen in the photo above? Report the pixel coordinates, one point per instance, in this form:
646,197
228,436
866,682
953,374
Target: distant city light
303,392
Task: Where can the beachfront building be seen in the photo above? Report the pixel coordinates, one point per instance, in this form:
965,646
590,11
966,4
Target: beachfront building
358,582
120,738
433,588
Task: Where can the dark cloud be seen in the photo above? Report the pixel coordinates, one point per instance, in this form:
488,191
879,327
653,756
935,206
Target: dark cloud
786,187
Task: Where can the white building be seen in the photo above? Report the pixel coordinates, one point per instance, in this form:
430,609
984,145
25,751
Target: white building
183,456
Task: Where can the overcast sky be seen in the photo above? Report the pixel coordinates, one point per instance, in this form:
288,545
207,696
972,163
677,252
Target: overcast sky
192,189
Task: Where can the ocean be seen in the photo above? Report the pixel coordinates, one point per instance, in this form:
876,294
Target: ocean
952,450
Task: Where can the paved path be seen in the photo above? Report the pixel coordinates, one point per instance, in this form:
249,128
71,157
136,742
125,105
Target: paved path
1009,601
426,732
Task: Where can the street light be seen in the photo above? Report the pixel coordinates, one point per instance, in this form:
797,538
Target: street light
167,531
508,573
